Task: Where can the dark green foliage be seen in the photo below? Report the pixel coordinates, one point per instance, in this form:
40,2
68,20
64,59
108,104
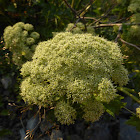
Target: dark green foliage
4,112
5,59
114,106
52,15
134,121
4,132
7,69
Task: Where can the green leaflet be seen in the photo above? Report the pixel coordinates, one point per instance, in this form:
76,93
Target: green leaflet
114,106
4,112
4,132
134,121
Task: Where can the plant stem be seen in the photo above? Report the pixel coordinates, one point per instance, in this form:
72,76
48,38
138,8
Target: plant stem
129,94
129,110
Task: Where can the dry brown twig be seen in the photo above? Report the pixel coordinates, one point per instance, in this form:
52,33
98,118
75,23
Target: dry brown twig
114,24
69,6
119,34
92,18
130,44
85,9
123,41
29,133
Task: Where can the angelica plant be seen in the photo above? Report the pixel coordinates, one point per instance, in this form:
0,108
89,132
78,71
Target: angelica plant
73,70
21,40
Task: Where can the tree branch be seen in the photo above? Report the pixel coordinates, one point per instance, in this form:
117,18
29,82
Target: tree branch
89,18
104,14
79,14
119,34
69,6
130,44
75,24
114,24
83,11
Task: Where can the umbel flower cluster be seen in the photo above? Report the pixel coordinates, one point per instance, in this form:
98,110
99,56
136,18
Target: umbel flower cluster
79,28
138,109
73,70
21,40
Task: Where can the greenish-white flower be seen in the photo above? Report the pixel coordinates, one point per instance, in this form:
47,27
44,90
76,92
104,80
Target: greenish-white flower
28,27
138,111
107,91
73,68
35,35
30,41
65,113
93,110
18,40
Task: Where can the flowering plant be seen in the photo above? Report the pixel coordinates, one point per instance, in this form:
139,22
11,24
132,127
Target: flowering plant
21,40
74,69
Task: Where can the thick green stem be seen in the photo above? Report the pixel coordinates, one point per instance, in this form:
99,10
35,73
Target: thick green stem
129,94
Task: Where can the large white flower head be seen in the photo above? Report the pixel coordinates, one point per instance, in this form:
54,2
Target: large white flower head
21,40
74,68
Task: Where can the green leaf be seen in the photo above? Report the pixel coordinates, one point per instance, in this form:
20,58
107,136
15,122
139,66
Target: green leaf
4,132
4,112
1,104
134,121
57,98
114,106
11,8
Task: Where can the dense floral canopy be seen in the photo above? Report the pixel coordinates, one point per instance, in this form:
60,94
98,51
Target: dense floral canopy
73,69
